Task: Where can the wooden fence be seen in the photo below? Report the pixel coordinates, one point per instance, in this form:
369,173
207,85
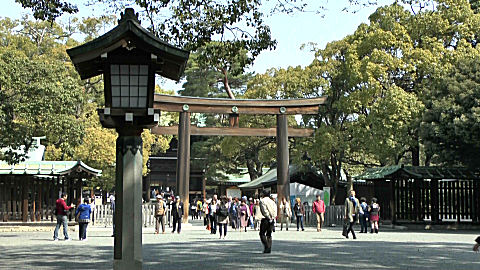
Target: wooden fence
333,216
439,201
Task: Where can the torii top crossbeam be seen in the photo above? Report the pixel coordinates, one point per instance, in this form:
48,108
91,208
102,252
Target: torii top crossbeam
238,106
235,107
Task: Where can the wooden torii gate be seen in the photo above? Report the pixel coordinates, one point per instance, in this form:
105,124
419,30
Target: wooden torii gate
233,107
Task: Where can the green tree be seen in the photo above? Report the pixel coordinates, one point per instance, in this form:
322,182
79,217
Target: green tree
451,123
37,98
48,10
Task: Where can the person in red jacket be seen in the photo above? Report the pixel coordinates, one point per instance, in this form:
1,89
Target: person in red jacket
61,212
319,210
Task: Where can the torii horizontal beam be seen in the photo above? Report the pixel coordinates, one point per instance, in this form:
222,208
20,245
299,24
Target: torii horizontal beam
232,131
303,106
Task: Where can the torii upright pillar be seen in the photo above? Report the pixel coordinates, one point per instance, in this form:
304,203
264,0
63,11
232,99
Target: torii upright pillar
183,162
283,180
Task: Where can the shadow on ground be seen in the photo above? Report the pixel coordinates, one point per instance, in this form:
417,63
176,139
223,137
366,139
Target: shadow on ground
198,250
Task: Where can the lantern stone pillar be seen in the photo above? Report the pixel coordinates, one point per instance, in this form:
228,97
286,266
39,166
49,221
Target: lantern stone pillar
128,210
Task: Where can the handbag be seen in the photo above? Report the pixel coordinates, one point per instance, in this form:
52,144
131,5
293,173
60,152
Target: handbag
345,228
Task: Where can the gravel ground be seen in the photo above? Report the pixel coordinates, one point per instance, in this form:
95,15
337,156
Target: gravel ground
196,249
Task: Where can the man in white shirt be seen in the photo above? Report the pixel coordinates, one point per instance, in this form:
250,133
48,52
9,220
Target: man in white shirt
268,207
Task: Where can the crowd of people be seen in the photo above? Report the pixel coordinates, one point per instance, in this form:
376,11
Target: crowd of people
237,213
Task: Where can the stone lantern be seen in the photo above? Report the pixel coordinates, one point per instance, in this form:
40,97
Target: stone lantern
128,57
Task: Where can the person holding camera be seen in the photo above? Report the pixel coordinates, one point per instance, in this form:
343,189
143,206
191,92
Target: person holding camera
61,213
268,207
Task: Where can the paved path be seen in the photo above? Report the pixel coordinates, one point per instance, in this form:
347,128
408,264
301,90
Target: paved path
196,249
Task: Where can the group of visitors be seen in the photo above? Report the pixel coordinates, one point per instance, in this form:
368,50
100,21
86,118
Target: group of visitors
82,215
175,208
360,210
239,213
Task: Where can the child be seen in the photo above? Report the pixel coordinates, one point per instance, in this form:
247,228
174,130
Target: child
364,217
374,210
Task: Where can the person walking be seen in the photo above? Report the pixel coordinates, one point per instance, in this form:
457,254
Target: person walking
251,207
82,214
92,206
352,209
234,213
61,213
365,216
206,219
244,214
268,208
177,214
222,215
160,208
285,213
299,211
199,209
193,209
258,214
319,210
374,210
213,215
112,207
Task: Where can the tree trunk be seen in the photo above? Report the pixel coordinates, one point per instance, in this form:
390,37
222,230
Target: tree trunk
349,183
226,85
416,151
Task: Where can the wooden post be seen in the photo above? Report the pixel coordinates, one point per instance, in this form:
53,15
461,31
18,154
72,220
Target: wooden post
40,199
3,199
9,199
457,190
204,187
24,199
52,189
392,201
183,162
283,180
233,120
434,201
80,189
33,184
416,199
476,202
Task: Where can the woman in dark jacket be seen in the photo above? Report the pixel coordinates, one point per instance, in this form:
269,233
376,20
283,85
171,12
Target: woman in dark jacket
299,211
83,216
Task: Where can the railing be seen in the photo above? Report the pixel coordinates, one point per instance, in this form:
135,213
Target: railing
103,215
333,216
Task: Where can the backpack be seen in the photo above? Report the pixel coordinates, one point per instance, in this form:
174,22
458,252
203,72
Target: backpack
233,210
160,210
223,211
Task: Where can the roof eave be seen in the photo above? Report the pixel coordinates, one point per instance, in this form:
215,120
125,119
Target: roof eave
91,51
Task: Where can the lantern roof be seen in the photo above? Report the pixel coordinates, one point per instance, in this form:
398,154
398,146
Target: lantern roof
87,58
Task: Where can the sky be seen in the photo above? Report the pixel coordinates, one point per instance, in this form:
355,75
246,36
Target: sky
290,31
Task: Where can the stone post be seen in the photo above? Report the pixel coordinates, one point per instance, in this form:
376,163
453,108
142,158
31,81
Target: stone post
128,210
